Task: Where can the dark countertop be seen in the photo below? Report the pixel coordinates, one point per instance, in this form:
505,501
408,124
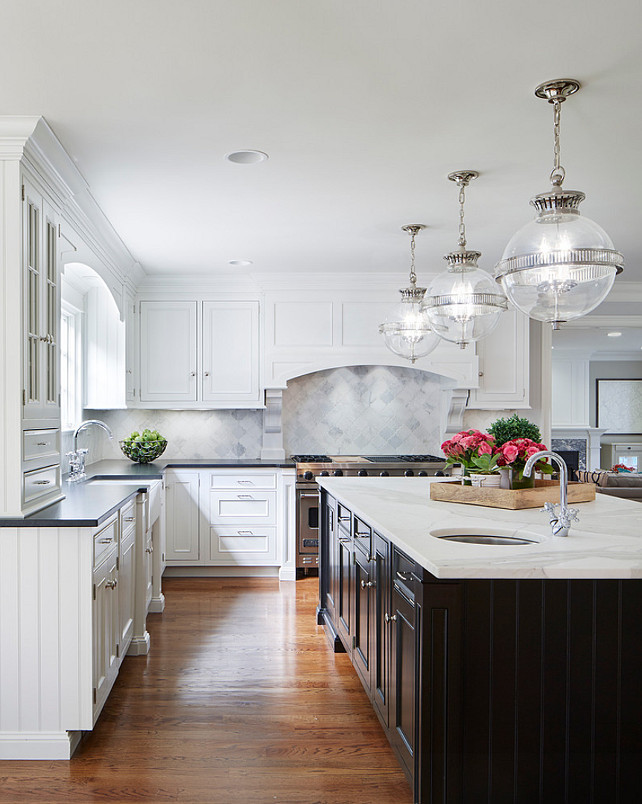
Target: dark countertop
129,469
88,505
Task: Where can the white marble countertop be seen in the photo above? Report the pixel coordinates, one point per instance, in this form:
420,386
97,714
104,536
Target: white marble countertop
605,543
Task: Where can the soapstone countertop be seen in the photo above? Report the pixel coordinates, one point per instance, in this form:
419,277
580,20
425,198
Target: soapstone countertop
89,504
605,543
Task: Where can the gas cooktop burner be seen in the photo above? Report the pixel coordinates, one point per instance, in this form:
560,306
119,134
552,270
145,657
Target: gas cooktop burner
403,459
310,459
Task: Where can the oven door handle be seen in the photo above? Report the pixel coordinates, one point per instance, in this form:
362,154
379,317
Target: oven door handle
309,495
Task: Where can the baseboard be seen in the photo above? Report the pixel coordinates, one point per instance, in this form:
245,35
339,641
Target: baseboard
39,744
221,572
139,646
157,604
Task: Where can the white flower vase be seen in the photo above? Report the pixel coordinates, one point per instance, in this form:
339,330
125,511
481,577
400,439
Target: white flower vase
485,481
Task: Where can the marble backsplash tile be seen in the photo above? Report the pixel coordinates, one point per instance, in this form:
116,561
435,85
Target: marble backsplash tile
364,410
189,433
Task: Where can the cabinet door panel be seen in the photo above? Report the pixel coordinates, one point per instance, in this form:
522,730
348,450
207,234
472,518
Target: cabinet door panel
380,663
182,516
404,674
168,351
126,588
230,351
363,600
345,580
504,382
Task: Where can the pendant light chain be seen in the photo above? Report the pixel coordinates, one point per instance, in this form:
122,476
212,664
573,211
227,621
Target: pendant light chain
413,275
558,174
462,224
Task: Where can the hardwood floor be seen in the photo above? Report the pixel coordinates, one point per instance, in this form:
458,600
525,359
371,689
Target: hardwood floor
240,700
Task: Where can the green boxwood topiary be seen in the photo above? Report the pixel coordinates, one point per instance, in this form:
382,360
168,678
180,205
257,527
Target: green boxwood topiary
504,430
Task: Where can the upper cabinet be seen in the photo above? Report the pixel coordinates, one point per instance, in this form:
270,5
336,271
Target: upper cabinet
199,354
41,312
504,365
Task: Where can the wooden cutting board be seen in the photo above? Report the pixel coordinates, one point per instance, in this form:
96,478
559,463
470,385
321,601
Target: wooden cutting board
544,491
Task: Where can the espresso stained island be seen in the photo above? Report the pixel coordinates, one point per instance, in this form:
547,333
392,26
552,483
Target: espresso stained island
499,673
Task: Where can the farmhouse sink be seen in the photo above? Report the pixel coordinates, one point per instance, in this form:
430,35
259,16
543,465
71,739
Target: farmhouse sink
490,536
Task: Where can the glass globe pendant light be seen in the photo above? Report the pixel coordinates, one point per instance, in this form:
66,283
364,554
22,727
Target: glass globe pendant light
406,330
559,266
463,304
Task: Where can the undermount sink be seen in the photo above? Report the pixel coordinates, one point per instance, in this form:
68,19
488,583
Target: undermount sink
492,537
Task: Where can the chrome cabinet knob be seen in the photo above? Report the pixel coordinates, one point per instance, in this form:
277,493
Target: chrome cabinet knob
389,618
367,584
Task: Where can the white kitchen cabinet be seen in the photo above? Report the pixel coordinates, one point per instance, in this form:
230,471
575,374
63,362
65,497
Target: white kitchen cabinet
168,352
182,514
41,312
200,354
127,576
106,629
67,616
221,518
230,373
504,365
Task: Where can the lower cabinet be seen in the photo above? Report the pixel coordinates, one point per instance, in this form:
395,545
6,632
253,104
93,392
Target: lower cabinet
106,628
223,518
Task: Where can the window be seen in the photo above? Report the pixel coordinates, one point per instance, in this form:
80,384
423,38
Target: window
70,367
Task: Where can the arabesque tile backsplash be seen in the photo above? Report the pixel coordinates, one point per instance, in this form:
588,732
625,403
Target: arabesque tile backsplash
362,410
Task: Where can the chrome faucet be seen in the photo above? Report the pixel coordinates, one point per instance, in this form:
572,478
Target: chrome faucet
77,456
560,523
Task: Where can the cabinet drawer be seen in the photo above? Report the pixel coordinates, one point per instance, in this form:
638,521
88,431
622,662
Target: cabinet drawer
406,574
242,507
248,481
344,518
105,540
128,517
362,535
242,544
40,444
40,482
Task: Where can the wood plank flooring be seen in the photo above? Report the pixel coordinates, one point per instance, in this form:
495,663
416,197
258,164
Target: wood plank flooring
240,700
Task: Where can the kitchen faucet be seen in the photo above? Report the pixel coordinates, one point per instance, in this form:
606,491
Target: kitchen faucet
77,456
560,523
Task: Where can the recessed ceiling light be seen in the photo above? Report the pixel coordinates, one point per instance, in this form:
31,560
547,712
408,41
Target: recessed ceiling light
246,157
239,262
613,334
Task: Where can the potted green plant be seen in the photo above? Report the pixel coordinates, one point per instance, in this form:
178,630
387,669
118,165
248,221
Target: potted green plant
509,429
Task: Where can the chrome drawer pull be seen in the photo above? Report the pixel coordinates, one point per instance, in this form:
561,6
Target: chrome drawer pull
245,497
367,584
129,518
245,532
344,539
105,541
41,444
41,482
403,576
245,482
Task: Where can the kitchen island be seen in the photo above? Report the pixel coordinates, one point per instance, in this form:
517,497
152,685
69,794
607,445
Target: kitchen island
499,673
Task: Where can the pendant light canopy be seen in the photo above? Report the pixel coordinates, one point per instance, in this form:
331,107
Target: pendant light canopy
559,266
463,304
406,330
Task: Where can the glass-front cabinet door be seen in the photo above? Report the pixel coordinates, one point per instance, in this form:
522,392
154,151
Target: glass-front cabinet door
41,312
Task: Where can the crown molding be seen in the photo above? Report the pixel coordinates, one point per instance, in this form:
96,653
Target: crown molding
338,281
191,283
31,140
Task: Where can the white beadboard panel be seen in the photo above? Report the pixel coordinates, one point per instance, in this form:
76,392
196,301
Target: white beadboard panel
361,322
189,433
50,637
9,631
29,629
364,410
303,324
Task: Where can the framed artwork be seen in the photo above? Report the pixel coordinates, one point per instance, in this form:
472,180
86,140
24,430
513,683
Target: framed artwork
619,406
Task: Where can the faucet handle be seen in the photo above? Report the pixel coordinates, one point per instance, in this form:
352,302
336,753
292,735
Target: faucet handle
572,514
548,508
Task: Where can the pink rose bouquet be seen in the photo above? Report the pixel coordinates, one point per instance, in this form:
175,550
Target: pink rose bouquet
515,453
472,449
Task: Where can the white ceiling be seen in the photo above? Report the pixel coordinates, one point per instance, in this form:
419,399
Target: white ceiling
364,107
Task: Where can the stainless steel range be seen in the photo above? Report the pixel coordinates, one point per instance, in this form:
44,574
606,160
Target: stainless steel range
308,467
